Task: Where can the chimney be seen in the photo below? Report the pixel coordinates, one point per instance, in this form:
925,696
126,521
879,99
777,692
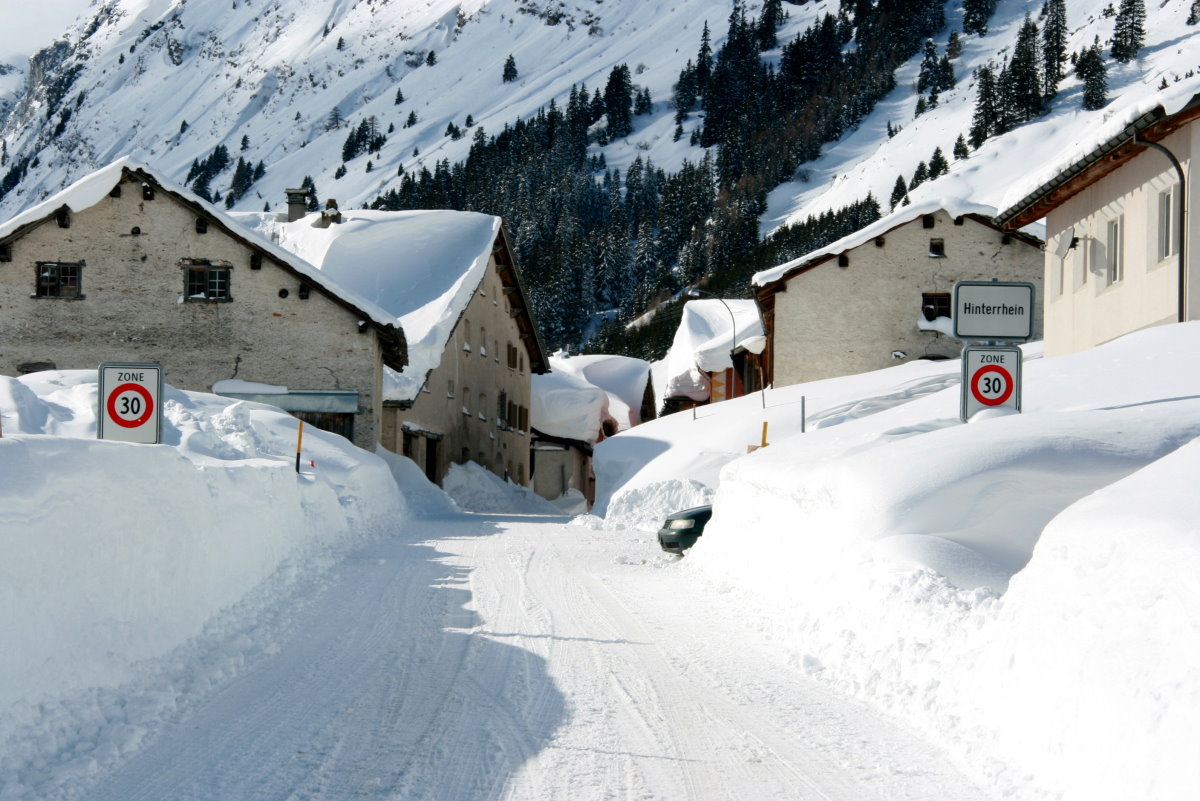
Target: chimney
297,200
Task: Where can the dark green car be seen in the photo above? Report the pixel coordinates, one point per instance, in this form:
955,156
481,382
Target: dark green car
681,529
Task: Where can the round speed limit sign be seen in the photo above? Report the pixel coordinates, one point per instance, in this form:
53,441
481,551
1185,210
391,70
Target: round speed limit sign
128,400
991,379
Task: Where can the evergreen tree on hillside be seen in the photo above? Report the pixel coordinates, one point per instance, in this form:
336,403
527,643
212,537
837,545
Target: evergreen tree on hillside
1194,16
1129,30
684,98
399,96
510,69
960,148
920,176
768,23
1054,45
927,75
618,102
976,14
987,112
704,61
1090,69
937,164
899,192
1021,86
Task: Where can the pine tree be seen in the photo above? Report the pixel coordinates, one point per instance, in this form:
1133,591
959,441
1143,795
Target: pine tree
1091,70
920,109
1054,45
245,143
313,203
1194,16
768,23
927,75
183,126
976,14
1021,86
399,96
960,148
618,102
341,43
704,62
1129,30
944,80
937,164
954,45
412,119
510,69
430,59
920,176
899,192
983,123
334,120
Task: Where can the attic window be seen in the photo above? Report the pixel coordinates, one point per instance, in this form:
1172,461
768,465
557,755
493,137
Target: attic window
303,292
843,260
958,220
201,225
937,248
927,221
116,191
255,261
6,251
879,241
147,192
206,282
64,218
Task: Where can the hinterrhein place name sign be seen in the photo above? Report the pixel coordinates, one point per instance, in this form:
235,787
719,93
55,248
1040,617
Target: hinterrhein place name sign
993,310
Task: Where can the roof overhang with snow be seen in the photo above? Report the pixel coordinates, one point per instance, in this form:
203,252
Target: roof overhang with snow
93,188
1100,159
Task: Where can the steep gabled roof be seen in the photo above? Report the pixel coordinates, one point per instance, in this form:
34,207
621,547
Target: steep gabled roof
93,188
423,267
980,213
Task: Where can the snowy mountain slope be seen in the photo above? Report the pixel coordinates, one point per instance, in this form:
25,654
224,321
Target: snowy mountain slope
268,73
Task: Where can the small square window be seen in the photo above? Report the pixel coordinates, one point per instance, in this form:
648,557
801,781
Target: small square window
59,279
937,248
207,282
935,305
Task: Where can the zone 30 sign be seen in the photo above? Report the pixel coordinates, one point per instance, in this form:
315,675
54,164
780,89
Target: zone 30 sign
128,398
991,379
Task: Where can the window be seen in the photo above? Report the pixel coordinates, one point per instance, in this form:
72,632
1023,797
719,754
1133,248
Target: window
207,282
59,279
502,405
483,341
1115,251
450,388
935,305
937,248
1167,246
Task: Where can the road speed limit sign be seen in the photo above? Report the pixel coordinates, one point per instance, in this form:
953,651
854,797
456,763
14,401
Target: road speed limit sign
128,398
991,379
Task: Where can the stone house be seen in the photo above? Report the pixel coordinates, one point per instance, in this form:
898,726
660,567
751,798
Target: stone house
451,281
883,295
1121,247
125,266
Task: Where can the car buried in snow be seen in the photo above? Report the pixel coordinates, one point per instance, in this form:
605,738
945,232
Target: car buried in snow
681,529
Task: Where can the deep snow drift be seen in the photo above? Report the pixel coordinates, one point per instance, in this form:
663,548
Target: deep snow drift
1022,587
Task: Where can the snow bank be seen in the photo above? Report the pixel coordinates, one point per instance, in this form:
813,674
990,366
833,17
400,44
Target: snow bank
1022,587
117,553
623,379
476,489
564,404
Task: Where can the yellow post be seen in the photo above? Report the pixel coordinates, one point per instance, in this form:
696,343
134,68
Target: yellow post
764,438
299,437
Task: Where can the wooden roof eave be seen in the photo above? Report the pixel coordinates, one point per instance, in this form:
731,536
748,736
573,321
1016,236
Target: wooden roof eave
1106,158
510,277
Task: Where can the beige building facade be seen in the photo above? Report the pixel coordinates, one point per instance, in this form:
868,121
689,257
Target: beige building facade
885,298
1120,252
474,406
126,267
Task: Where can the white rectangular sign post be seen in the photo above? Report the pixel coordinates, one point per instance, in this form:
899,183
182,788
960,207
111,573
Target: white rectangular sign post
993,310
991,379
128,398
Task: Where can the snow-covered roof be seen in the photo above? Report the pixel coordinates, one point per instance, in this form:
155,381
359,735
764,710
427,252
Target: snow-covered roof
565,405
955,207
704,341
1117,130
94,187
622,378
423,267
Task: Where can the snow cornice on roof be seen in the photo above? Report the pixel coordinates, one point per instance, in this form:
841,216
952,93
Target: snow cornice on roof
92,188
1101,154
955,207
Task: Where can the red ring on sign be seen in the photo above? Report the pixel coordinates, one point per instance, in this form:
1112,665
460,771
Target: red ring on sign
992,368
112,405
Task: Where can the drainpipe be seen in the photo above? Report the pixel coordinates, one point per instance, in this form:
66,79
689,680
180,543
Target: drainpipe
1182,220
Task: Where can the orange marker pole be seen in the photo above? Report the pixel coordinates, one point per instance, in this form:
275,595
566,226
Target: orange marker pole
299,438
764,439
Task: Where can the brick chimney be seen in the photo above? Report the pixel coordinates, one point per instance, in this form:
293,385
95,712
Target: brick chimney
297,203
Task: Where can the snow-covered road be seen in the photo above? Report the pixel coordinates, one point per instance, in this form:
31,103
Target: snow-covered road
521,658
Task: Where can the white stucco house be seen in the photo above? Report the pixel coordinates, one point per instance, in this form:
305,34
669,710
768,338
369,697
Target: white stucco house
450,281
124,265
1121,238
882,295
